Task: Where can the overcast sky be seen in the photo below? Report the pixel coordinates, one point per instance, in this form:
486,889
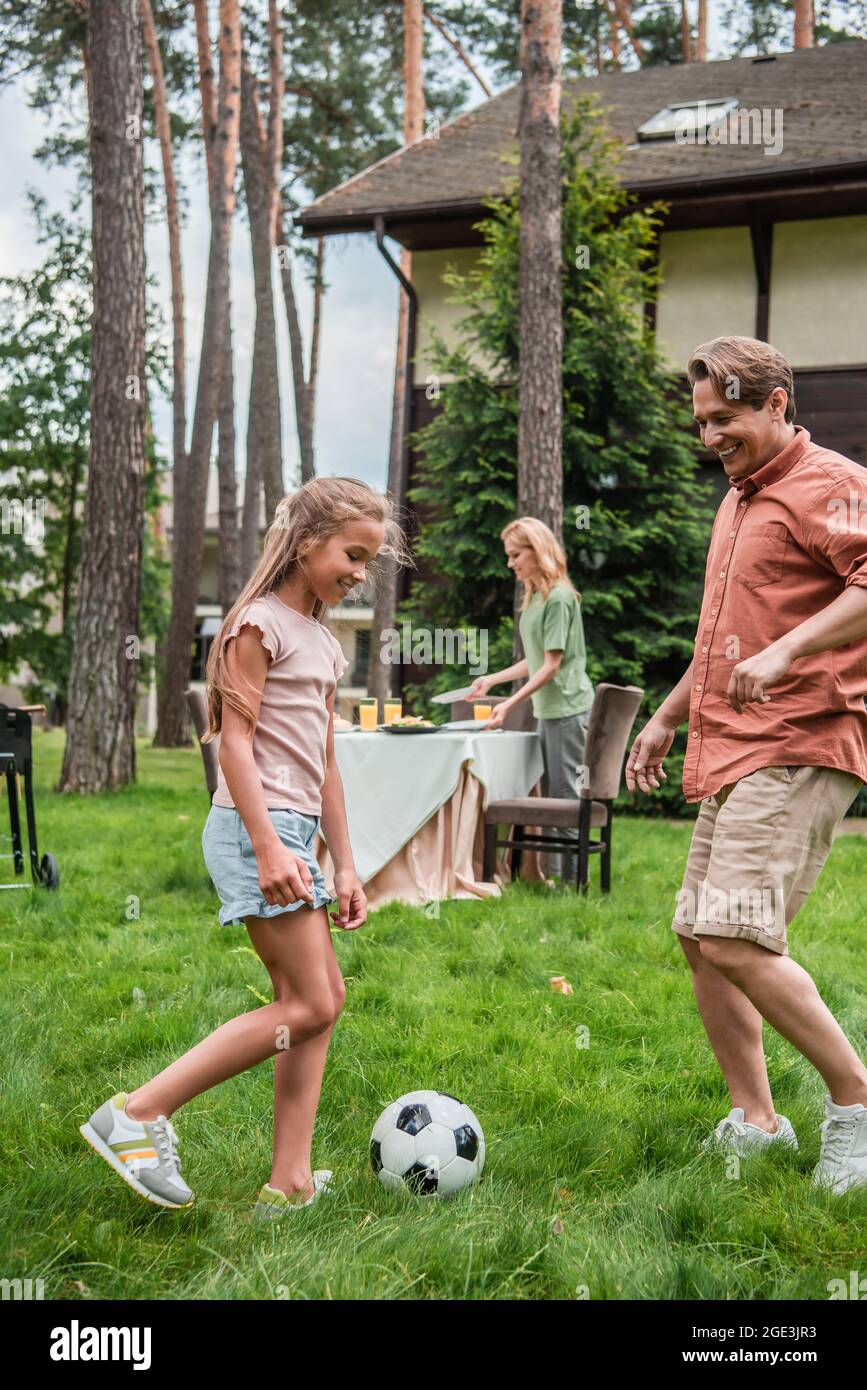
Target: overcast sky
359,317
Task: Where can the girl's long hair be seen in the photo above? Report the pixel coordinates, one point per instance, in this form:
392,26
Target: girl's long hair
549,553
302,521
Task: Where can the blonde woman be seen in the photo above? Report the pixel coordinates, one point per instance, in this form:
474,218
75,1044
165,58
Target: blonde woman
556,662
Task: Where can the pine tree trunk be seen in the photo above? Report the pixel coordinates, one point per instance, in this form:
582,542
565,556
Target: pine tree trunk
804,21
252,483
100,746
266,437
701,33
161,112
540,388
229,549
315,334
207,89
229,535
303,405
189,510
624,14
540,475
69,569
685,38
379,674
613,36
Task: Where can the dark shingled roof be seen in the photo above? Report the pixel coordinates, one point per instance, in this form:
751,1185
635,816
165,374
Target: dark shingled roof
822,93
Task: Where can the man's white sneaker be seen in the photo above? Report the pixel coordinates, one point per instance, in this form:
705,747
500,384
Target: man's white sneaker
736,1135
843,1157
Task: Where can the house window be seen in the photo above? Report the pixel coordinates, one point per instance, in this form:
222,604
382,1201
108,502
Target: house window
205,633
689,119
362,656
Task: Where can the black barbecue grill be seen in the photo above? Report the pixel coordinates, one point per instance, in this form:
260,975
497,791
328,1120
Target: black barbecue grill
16,760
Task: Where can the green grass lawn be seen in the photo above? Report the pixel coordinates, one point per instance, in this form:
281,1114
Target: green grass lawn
593,1177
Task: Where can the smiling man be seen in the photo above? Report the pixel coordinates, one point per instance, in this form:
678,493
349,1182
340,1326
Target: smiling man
776,744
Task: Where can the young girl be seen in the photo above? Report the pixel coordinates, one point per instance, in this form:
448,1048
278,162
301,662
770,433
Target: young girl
272,674
556,662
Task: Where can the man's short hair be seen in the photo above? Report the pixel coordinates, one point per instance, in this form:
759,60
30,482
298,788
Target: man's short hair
743,369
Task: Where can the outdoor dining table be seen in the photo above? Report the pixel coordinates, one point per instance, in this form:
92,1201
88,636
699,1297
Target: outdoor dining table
415,808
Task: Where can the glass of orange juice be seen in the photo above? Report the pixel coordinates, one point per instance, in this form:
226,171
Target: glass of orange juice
368,714
482,711
392,709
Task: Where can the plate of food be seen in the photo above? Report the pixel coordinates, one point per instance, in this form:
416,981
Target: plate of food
410,724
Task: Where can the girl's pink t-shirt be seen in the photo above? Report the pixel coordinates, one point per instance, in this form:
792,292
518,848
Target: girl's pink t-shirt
289,740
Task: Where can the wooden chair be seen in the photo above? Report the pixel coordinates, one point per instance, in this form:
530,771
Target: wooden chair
611,719
198,707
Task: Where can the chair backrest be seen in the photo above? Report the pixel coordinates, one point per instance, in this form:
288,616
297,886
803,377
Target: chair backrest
611,719
198,707
520,719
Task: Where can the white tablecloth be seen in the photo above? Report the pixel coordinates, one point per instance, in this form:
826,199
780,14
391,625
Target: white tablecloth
395,783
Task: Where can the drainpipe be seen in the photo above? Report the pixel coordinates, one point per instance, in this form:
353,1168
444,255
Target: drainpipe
379,228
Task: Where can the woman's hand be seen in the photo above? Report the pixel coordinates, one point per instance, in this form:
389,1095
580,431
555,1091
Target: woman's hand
644,767
498,714
283,877
352,902
480,687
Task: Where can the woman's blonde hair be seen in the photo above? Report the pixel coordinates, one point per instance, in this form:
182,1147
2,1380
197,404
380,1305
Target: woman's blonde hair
549,553
302,521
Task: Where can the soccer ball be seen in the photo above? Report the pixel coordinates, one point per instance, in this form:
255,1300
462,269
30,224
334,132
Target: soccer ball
429,1142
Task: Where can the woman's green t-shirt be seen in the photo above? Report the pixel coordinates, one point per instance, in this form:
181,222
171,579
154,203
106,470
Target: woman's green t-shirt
549,625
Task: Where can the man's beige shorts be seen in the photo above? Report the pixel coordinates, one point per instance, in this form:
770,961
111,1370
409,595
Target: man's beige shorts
757,849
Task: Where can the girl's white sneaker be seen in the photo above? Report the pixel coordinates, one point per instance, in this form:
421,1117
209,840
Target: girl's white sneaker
143,1152
843,1157
272,1202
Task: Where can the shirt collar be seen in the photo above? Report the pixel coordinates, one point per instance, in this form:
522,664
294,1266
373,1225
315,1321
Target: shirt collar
777,467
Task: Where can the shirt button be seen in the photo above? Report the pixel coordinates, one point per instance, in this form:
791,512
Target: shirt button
713,612
695,733
698,687
743,504
704,649
722,574
731,533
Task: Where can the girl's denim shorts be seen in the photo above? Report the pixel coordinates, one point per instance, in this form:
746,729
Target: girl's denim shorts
230,861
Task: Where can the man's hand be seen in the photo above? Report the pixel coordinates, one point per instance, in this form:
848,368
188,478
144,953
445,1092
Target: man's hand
749,678
644,766
352,902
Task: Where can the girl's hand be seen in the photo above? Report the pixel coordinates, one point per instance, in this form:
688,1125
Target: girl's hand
353,904
480,687
283,878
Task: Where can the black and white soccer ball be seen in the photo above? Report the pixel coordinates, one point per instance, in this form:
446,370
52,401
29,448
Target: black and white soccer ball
429,1142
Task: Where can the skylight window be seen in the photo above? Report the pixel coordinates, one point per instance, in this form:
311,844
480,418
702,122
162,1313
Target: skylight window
689,119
